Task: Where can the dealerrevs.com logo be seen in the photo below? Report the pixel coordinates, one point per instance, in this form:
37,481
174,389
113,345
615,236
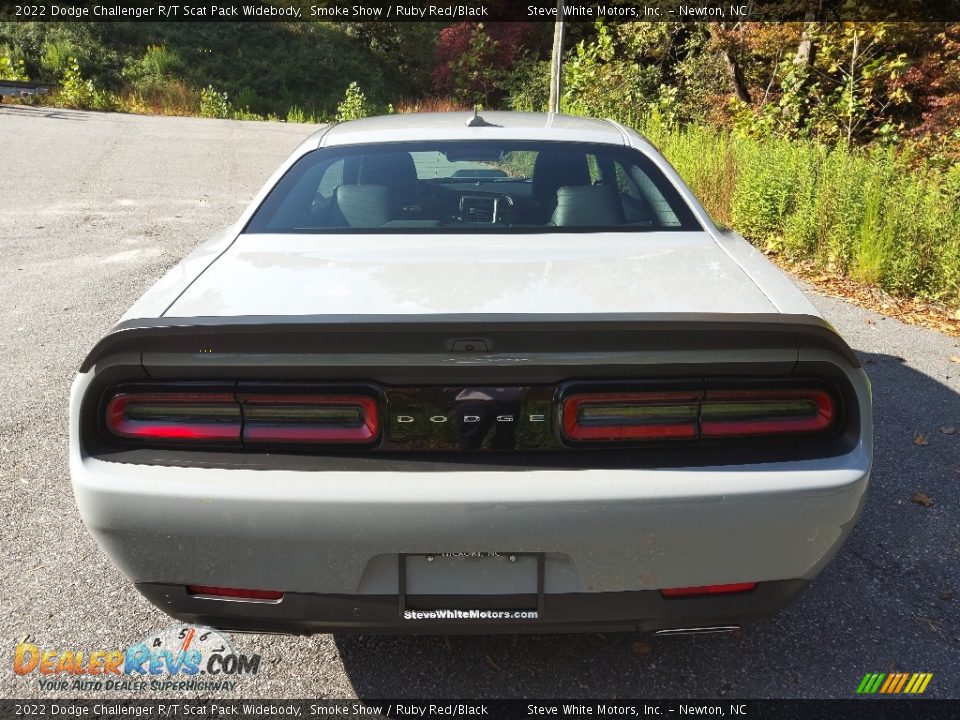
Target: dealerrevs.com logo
177,658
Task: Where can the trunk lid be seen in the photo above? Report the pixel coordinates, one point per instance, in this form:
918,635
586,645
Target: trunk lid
595,273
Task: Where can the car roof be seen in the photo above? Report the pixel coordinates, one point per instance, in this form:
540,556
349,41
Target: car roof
411,127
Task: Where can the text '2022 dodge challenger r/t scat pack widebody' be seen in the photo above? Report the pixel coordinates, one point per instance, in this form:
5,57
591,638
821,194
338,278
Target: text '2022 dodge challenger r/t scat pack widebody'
466,374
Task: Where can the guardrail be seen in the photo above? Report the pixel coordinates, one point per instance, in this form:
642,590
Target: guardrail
22,88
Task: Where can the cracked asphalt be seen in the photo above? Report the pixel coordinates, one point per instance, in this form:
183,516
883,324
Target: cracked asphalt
95,207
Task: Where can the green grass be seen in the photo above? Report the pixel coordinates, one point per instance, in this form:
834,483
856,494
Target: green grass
863,213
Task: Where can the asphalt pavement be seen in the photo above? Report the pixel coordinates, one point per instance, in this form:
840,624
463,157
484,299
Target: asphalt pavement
95,207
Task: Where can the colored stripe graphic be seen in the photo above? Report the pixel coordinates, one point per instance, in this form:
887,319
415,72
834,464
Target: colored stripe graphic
870,683
923,679
894,683
891,681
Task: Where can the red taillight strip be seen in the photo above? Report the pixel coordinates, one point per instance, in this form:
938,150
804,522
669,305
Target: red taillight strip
761,403
728,589
209,428
634,416
235,593
277,426
252,418
713,414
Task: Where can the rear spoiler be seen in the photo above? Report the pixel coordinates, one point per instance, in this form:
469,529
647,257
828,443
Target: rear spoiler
471,333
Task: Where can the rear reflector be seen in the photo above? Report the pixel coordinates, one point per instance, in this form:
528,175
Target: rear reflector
255,419
309,418
174,416
689,415
234,593
728,589
630,416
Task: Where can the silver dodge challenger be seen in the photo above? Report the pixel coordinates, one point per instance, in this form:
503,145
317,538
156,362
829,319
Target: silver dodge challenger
453,373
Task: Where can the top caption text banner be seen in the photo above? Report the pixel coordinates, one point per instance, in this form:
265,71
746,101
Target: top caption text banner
479,11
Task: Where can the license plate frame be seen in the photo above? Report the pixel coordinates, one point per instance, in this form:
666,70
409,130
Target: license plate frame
481,601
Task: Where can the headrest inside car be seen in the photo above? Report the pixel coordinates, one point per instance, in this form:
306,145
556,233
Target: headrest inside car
397,171
588,206
553,170
363,205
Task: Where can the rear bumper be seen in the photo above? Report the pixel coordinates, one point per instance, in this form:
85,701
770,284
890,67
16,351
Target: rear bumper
339,533
610,538
307,613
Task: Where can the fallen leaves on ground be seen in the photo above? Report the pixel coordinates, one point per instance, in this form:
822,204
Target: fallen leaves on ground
493,664
921,440
642,648
922,499
948,430
935,316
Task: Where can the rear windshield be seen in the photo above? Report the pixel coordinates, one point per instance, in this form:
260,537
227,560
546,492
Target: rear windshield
488,186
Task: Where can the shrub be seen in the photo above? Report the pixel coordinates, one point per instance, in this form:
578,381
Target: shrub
431,104
60,56
354,104
214,104
159,61
11,69
78,92
598,82
296,114
529,85
866,213
876,238
167,97
472,60
158,67
246,114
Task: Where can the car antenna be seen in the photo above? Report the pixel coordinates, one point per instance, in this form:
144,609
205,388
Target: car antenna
477,121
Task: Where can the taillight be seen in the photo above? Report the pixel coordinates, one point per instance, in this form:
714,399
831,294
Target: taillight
309,419
727,589
234,593
691,415
211,417
630,416
188,417
765,412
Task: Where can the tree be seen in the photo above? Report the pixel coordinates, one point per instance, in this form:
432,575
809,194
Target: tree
860,82
727,43
472,59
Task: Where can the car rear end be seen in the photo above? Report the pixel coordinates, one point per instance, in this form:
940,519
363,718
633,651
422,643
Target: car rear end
665,472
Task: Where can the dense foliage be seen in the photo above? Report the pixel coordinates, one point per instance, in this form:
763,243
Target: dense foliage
861,213
264,68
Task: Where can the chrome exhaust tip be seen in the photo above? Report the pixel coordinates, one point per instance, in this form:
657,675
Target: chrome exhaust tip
699,630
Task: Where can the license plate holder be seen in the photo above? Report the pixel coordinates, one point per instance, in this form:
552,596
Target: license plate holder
486,581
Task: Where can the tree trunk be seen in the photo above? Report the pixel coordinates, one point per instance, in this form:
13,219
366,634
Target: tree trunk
723,42
735,73
803,61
